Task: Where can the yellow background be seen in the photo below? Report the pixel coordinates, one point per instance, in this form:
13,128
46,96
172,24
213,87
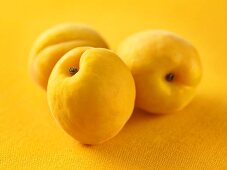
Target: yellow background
195,138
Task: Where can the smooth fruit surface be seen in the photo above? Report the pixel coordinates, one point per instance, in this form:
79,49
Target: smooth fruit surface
91,94
54,43
166,69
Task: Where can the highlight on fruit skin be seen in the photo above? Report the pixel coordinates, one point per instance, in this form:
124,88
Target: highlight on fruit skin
52,44
91,94
166,69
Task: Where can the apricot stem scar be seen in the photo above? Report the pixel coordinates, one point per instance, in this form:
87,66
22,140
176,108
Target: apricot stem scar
73,70
170,77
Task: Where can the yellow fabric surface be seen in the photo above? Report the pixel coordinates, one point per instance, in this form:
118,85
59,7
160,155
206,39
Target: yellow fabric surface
195,138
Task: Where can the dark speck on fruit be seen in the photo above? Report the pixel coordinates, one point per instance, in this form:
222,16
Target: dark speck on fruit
170,77
73,70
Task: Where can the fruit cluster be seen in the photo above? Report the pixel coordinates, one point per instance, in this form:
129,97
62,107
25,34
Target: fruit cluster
92,90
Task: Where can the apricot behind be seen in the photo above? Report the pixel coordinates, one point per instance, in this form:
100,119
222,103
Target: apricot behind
54,43
166,69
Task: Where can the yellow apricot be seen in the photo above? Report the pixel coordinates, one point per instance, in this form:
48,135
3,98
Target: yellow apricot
91,94
54,43
166,69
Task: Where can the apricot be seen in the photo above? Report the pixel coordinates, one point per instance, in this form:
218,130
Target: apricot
166,69
91,94
54,43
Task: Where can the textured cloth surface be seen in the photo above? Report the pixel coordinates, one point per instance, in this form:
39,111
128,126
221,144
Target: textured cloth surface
195,138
